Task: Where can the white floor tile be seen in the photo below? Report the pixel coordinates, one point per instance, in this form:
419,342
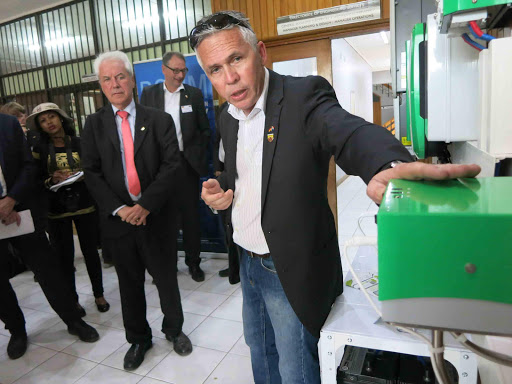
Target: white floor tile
37,302
231,309
186,282
202,303
234,369
161,348
4,340
40,321
153,299
26,290
149,380
96,317
213,266
191,321
11,370
218,334
192,369
238,291
241,348
110,340
55,337
61,368
217,284
107,375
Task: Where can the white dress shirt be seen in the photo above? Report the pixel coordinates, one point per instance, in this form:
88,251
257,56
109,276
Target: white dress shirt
2,182
132,111
172,107
246,213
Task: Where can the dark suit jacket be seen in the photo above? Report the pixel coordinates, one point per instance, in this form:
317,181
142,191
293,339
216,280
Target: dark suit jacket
309,127
20,171
157,161
195,129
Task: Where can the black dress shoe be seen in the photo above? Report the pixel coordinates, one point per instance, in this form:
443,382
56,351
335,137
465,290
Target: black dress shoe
196,272
81,310
224,272
17,345
135,355
84,331
181,343
103,307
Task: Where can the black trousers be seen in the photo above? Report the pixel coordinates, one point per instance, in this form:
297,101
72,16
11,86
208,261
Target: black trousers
36,252
61,238
142,249
188,214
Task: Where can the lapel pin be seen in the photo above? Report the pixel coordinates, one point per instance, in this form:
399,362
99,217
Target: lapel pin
186,96
270,137
143,128
271,129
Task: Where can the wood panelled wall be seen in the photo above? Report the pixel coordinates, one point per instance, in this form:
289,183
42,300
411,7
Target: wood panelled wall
263,13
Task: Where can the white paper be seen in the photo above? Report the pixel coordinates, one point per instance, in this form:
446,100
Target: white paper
12,230
70,180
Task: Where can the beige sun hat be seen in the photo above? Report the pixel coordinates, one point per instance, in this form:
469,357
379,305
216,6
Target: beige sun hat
45,107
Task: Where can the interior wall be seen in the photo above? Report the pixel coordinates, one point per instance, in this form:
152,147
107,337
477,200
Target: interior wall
352,82
263,13
352,79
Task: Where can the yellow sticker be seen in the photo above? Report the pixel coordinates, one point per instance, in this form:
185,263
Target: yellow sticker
405,141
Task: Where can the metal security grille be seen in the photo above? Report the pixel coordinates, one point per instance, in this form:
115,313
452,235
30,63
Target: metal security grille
48,56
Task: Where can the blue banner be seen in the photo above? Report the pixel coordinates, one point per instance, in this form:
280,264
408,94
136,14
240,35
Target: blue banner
149,73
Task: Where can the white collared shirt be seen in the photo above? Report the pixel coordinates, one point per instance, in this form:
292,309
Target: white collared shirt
172,107
246,213
2,181
132,111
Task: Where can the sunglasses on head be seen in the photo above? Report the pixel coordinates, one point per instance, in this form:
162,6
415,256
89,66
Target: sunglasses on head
218,21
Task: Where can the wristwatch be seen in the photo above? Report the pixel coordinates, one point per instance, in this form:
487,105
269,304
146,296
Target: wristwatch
391,164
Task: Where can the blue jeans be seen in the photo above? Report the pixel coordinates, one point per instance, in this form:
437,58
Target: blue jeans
282,349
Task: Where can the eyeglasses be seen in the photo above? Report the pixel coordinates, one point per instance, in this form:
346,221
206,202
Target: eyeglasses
217,21
176,70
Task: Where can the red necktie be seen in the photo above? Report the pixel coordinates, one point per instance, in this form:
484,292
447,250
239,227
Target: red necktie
129,159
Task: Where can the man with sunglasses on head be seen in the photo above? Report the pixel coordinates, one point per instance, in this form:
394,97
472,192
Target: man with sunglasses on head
279,133
186,106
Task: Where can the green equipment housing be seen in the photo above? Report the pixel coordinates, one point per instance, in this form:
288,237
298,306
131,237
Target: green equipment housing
445,254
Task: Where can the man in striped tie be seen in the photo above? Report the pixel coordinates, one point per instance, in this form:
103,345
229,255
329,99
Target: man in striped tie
132,163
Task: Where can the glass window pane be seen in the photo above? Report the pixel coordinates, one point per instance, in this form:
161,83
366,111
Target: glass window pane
19,46
67,33
180,16
125,24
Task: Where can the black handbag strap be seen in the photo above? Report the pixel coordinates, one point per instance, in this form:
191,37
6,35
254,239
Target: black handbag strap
69,154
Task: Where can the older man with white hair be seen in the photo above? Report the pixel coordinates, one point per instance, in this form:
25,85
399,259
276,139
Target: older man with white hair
132,165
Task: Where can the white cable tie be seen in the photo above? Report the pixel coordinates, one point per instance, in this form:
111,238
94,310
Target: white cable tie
461,338
435,350
362,240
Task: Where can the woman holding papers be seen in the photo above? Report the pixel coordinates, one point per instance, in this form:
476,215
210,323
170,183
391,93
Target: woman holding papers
58,154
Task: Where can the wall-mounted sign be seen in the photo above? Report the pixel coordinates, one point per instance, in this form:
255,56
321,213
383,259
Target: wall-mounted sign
329,17
89,78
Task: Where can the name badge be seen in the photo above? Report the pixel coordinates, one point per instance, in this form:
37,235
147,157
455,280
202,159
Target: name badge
186,108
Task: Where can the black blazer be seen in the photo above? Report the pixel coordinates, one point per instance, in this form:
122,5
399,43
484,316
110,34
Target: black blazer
20,171
309,126
195,129
157,160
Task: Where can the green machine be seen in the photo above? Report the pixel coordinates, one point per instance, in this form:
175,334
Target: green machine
453,12
452,268
416,121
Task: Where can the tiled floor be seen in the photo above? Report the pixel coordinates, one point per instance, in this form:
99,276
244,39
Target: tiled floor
213,321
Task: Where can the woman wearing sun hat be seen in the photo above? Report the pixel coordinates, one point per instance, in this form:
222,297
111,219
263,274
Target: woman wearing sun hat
58,154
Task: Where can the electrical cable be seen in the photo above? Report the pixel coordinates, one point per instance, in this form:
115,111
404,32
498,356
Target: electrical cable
483,352
372,240
437,337
362,216
478,33
473,43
